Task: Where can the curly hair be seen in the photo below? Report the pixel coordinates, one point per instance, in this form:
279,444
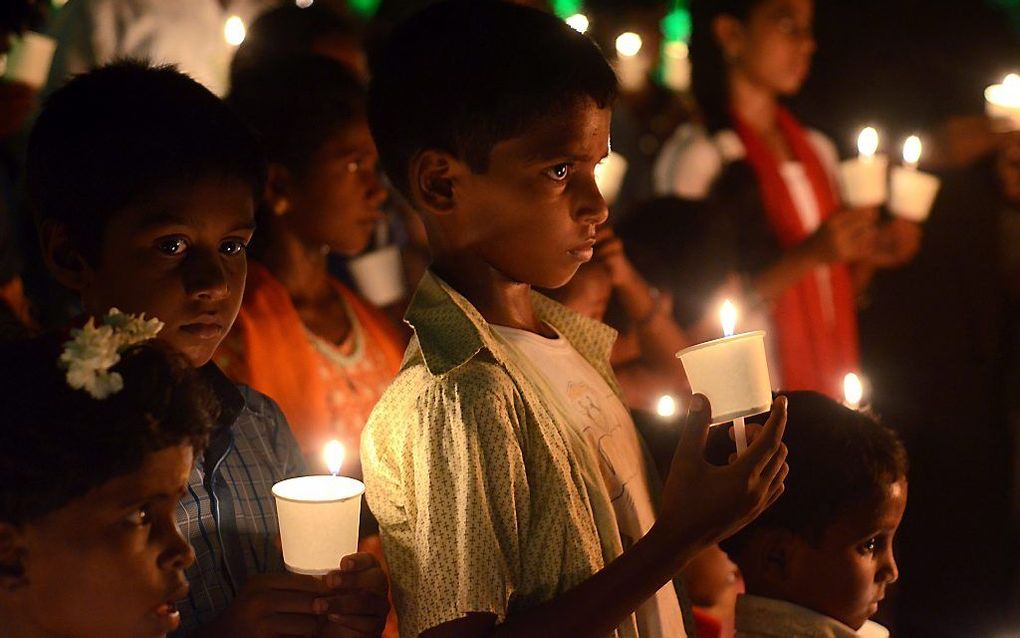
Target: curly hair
57,443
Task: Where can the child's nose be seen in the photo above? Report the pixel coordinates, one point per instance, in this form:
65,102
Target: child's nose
591,206
179,554
205,277
889,572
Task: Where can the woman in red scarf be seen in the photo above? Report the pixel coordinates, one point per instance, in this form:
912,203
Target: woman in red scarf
805,254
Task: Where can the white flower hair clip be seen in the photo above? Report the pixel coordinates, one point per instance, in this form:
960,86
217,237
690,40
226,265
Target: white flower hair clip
92,350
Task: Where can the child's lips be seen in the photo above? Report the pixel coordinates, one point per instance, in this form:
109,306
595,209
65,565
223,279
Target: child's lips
204,330
584,252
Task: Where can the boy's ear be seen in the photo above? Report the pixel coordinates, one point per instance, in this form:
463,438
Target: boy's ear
728,32
12,552
433,176
775,554
278,188
63,257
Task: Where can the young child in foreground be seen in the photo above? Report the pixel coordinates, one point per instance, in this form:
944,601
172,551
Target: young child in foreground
144,185
89,490
818,562
512,491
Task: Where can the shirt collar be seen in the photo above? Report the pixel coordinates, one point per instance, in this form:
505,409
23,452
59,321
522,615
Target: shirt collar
451,331
773,617
231,399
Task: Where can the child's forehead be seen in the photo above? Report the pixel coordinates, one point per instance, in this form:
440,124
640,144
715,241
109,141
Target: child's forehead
215,203
580,129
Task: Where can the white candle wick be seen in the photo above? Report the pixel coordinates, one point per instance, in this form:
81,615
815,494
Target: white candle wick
728,316
912,151
853,390
334,455
867,143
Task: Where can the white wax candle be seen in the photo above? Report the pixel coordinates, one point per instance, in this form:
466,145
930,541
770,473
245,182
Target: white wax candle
676,66
29,59
913,191
319,516
379,275
863,179
1002,103
732,372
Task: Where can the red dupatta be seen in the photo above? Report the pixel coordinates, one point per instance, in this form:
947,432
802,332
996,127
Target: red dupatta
815,350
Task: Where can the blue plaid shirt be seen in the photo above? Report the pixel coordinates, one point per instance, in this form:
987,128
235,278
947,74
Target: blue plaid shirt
228,514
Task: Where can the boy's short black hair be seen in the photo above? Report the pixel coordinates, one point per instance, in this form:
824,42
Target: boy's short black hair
125,132
295,104
839,458
683,247
57,443
462,75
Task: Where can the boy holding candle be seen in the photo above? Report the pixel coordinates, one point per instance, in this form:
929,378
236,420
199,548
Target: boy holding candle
818,562
511,489
89,489
143,184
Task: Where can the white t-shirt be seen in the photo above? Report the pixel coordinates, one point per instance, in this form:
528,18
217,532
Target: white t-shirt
576,391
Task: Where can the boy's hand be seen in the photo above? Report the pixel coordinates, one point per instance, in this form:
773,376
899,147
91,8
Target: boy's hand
703,503
609,252
896,244
848,235
273,605
358,601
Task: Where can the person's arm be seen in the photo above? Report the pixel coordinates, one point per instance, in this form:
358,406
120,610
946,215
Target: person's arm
702,503
845,237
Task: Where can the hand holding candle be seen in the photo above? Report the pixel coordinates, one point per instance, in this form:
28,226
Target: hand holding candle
913,192
319,517
732,372
863,179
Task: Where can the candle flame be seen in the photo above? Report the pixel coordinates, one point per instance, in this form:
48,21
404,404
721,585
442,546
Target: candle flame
912,151
666,406
728,316
234,30
853,390
578,22
628,44
867,142
1011,81
334,455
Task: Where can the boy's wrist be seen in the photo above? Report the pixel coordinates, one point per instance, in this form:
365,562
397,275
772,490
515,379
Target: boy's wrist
674,545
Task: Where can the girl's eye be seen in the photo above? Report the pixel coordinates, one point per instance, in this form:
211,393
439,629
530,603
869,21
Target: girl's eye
172,245
869,546
140,517
233,247
558,173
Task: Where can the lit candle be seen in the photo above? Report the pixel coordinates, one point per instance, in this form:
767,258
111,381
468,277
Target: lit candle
631,63
913,191
666,406
1002,103
676,66
853,391
863,178
234,30
578,22
319,516
732,372
29,59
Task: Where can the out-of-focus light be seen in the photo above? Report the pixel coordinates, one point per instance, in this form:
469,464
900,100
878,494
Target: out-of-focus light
666,406
234,30
912,151
628,44
334,456
303,4
853,390
578,22
867,142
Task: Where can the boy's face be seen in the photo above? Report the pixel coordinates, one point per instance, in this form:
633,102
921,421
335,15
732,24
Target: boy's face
845,576
110,563
179,257
335,200
533,214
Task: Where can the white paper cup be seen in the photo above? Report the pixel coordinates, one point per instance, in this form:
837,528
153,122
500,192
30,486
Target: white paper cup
733,373
864,182
319,521
379,275
29,59
913,193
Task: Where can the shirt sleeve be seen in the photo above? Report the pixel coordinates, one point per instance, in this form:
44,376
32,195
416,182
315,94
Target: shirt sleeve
453,520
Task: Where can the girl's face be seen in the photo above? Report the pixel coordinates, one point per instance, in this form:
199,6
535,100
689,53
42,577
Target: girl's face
772,49
336,199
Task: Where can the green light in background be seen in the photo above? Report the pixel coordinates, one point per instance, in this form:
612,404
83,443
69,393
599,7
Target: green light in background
676,26
364,8
566,8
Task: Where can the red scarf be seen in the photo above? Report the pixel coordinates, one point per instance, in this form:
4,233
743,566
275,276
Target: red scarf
815,351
